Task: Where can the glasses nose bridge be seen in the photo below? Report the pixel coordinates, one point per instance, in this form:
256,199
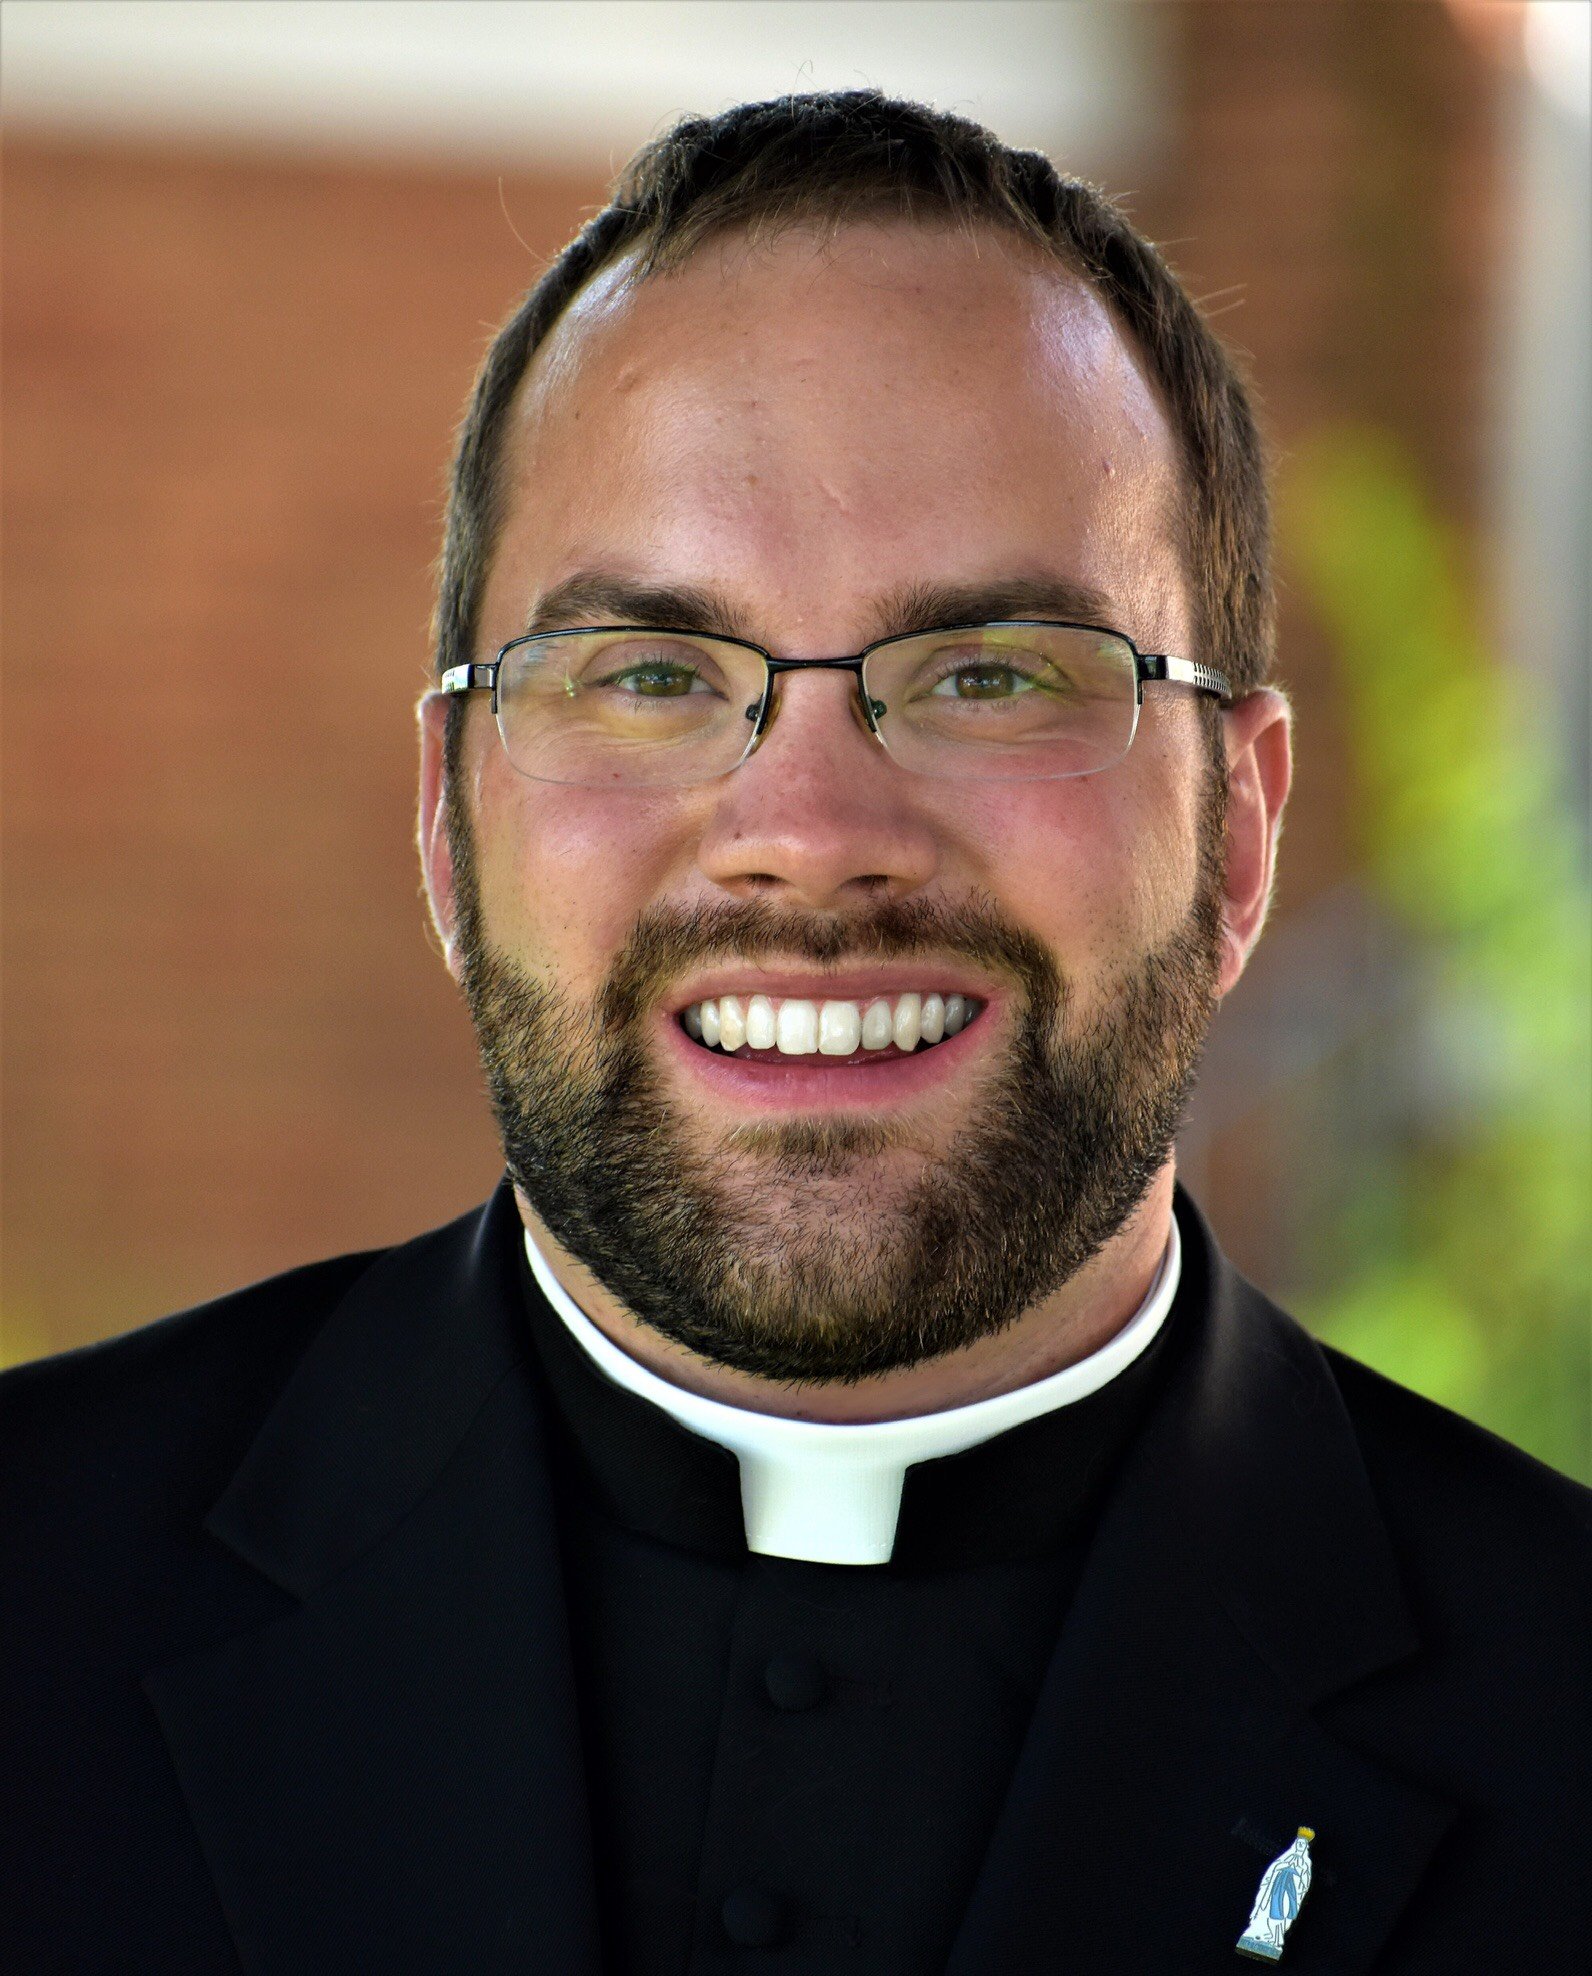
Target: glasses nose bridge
852,662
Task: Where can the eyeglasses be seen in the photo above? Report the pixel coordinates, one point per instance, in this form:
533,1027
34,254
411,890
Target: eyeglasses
643,705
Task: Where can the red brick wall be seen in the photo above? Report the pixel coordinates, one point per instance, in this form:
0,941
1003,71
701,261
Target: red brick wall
1339,194
230,390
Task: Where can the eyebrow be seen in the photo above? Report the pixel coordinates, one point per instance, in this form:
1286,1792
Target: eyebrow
601,597
594,596
925,606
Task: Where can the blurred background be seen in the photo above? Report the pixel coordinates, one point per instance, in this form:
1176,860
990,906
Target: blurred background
252,256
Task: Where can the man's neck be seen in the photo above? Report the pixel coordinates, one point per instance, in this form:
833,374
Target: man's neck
1077,1320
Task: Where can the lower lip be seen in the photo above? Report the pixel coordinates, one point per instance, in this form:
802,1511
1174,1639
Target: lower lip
817,1083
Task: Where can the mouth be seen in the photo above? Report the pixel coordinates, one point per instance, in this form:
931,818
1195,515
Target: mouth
780,1029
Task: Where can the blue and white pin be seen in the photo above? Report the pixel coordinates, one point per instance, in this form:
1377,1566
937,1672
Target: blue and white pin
1281,1894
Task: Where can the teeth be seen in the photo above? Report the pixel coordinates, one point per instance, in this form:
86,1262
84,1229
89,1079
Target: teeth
877,1031
839,1028
908,1021
798,1028
761,1029
732,1023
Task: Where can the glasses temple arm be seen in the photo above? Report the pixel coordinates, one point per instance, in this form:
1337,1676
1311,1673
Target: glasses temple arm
1185,672
468,679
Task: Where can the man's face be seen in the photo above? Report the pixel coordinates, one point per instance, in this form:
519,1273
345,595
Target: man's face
818,436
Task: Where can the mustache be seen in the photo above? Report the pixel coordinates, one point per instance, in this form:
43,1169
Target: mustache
665,941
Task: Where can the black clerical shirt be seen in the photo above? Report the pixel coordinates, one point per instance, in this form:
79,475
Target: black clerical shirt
798,1767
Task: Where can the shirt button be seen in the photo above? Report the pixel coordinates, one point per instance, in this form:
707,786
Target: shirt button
794,1682
753,1918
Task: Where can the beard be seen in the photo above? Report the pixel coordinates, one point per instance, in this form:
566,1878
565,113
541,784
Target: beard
835,1250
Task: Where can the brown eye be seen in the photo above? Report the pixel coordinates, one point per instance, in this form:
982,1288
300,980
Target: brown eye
983,682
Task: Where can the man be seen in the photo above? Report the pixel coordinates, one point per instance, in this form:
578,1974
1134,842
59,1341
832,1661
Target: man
834,1508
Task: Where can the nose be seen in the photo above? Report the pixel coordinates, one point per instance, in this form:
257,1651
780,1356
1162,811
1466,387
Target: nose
819,815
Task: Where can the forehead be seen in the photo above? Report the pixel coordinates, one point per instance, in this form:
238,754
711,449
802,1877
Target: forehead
795,413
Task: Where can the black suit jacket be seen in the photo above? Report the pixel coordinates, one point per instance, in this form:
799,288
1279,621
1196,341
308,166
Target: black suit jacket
288,1688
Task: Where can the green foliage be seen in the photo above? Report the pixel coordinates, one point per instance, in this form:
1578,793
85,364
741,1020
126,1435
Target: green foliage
1464,1268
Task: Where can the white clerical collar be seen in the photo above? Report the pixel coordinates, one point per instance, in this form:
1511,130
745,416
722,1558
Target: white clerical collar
829,1491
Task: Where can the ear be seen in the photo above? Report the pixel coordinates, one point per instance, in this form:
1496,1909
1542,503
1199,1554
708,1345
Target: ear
436,856
1257,731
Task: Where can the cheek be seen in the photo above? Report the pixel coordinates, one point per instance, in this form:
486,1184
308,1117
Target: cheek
1096,867
566,872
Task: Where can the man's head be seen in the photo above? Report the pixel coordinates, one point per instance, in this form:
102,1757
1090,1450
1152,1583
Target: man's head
828,370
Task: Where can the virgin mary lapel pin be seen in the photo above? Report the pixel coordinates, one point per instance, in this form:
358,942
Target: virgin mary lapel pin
1281,1894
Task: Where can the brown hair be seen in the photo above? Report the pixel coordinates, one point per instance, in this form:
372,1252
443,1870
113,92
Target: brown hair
828,158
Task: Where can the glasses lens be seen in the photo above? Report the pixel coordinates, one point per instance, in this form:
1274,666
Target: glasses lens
999,702
627,707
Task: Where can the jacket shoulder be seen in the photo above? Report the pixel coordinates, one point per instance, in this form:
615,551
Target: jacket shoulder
1425,1453
253,1328
184,1391
1495,1547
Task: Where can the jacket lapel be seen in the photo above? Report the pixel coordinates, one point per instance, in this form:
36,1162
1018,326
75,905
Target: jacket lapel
1240,1577
389,1776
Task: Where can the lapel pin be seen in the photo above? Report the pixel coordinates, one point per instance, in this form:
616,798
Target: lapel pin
1281,1894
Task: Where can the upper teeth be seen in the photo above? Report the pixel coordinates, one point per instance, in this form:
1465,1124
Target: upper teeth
799,1028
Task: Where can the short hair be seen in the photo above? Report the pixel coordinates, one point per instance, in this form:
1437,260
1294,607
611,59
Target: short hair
824,159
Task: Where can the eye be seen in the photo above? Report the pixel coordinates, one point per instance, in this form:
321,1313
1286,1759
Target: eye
657,681
649,669
983,679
